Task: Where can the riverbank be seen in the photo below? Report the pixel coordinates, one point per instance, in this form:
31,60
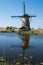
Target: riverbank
32,31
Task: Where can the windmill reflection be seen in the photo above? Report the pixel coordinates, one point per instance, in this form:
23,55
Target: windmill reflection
25,41
25,44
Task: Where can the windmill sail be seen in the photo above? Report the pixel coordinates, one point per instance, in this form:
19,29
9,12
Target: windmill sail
25,22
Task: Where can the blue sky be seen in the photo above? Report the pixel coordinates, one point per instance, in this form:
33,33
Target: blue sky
15,7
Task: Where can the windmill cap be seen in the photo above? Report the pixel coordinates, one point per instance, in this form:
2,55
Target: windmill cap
26,15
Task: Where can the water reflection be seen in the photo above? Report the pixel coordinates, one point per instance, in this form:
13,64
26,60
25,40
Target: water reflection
12,44
25,45
25,41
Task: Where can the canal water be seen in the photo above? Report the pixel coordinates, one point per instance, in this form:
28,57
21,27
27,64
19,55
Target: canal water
12,45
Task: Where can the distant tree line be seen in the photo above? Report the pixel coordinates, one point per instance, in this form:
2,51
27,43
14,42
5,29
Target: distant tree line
9,29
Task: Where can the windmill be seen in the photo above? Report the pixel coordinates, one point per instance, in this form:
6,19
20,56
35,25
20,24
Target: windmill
25,19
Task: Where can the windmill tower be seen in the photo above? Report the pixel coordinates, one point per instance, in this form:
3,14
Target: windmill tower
25,19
